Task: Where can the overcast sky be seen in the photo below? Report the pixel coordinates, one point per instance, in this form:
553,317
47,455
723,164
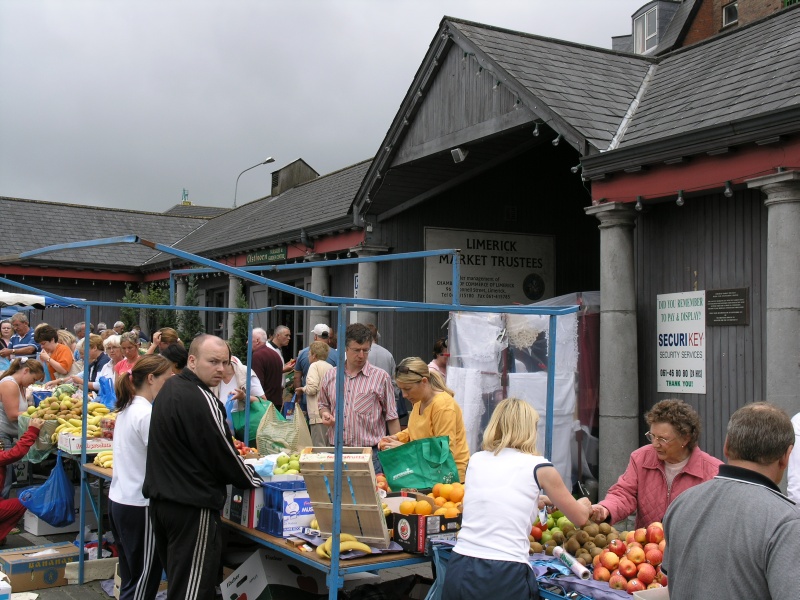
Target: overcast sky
124,103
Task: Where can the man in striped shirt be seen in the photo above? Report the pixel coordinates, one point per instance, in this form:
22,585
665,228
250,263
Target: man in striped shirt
369,405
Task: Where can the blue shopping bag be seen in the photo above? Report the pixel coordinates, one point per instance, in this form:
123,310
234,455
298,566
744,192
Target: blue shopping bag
53,501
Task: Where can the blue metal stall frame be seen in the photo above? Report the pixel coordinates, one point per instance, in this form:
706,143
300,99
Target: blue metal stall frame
335,572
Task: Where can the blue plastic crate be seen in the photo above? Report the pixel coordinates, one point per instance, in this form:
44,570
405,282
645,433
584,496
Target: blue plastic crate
271,522
273,492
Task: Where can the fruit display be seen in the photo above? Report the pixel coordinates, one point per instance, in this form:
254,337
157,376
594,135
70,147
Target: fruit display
633,561
445,500
105,459
346,542
107,425
287,464
68,411
242,448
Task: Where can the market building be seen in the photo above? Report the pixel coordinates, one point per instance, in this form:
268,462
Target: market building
668,165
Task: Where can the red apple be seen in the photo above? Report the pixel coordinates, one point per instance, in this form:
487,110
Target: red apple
640,535
609,560
618,582
650,546
536,532
654,557
616,572
654,586
602,574
630,537
618,547
596,561
654,533
646,573
635,544
634,585
661,577
662,544
635,554
627,568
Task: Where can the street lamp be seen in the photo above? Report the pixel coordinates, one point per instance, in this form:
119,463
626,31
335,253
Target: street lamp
236,189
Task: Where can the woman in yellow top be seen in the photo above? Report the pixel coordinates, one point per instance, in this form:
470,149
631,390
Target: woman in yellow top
434,411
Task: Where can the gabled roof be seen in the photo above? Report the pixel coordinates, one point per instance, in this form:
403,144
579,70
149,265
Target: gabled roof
192,210
32,224
319,206
677,27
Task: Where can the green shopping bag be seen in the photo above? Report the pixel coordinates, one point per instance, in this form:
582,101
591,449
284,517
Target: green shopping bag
419,464
257,410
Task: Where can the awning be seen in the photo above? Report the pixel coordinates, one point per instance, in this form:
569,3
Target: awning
34,301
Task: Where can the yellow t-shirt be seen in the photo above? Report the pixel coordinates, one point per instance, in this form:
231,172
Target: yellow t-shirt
441,417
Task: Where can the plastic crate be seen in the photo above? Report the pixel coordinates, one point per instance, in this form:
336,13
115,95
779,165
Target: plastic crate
273,518
273,492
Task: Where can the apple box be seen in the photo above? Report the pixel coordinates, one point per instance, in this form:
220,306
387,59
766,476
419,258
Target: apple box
37,567
413,532
656,594
72,444
243,506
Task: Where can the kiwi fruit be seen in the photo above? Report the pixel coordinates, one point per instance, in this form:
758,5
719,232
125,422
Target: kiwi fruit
605,528
592,529
537,548
588,546
572,545
558,537
582,536
600,540
613,535
581,560
595,551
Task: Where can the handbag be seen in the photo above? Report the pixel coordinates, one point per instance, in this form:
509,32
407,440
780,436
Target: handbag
257,411
419,464
287,410
276,434
53,501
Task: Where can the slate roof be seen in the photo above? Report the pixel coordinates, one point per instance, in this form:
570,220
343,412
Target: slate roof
316,206
192,210
590,88
48,223
675,30
747,72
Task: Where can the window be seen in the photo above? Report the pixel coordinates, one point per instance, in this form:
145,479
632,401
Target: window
645,29
730,14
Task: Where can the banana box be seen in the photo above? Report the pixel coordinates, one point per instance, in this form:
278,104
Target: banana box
73,444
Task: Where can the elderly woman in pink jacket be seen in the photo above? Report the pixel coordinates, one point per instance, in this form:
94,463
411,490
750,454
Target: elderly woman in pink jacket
659,472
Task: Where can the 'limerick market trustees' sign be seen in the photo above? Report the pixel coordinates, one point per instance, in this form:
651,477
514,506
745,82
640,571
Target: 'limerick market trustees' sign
496,268
681,328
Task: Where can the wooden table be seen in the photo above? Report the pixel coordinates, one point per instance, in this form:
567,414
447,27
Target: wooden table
373,562
102,472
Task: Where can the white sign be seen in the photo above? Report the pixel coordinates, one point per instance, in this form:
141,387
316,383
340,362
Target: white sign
496,268
681,328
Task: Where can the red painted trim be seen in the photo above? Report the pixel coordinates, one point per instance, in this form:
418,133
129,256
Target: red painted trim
700,173
70,273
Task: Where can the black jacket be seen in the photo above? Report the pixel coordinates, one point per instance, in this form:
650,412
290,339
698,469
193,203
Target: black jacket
190,453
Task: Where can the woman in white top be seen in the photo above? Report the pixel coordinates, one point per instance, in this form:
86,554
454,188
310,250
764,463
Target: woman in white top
139,566
112,347
21,373
501,501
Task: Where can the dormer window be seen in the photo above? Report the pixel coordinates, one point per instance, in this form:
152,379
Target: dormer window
645,30
730,14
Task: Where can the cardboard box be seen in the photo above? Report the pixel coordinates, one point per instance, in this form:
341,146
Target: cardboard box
33,524
72,444
244,506
413,532
37,567
286,509
266,570
5,587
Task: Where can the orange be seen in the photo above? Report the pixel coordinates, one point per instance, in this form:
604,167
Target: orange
423,508
450,513
440,511
407,507
457,493
439,501
436,489
449,504
431,495
445,490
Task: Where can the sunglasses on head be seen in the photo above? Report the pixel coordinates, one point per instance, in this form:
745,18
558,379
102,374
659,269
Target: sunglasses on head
403,370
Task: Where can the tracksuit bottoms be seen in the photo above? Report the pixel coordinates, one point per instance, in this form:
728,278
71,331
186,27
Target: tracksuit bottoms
139,565
189,543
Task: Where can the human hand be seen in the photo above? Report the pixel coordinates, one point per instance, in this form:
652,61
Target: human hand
51,384
5,352
389,441
544,501
599,513
328,419
585,502
291,363
36,423
44,356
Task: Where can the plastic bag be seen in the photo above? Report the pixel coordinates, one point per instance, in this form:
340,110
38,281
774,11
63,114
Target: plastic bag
276,434
106,395
53,501
287,410
419,464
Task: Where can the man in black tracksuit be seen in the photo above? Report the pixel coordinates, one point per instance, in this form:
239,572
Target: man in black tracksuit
190,460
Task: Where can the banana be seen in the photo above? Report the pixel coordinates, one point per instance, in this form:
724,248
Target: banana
345,546
62,421
343,537
105,453
321,552
76,422
100,411
93,405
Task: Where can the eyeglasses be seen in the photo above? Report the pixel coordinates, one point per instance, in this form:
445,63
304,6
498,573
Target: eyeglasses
654,438
358,351
404,370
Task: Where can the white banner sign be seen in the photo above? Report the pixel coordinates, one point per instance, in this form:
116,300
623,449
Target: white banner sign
681,328
496,268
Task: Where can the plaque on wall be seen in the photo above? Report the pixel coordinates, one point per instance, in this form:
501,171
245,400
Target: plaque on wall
728,307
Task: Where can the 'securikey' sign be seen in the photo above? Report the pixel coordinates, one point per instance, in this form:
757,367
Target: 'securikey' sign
681,339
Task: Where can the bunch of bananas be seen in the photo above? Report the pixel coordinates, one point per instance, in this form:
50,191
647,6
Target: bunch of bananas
346,542
105,459
74,425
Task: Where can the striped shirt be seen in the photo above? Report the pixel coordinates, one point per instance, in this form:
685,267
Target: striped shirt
369,403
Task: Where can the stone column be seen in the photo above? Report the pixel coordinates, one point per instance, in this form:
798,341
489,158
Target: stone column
619,380
234,284
143,288
782,344
319,285
181,287
368,280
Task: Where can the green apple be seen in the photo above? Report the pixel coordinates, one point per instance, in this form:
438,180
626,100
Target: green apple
292,472
551,522
280,470
282,460
563,521
546,537
557,514
294,464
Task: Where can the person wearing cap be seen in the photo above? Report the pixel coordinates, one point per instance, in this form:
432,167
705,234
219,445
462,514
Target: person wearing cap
322,333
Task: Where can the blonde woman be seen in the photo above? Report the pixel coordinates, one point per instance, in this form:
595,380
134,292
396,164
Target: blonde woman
434,411
318,365
508,473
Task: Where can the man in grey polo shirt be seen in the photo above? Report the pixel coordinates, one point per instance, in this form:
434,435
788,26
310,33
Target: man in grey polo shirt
740,517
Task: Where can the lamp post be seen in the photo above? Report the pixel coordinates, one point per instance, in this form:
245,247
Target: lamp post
236,189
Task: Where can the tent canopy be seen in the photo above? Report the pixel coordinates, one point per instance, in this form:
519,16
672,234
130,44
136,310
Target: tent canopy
33,301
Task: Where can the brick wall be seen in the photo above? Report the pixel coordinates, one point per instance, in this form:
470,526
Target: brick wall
708,20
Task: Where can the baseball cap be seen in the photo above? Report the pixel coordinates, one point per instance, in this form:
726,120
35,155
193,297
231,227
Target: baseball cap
321,330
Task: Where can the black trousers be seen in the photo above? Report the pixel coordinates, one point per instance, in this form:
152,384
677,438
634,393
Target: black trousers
139,565
189,543
469,578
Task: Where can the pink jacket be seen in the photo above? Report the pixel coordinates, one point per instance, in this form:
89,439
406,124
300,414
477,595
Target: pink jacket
643,485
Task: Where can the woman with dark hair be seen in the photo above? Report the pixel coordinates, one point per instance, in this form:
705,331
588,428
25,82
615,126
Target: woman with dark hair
440,356
55,356
13,384
659,472
162,339
139,565
177,355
